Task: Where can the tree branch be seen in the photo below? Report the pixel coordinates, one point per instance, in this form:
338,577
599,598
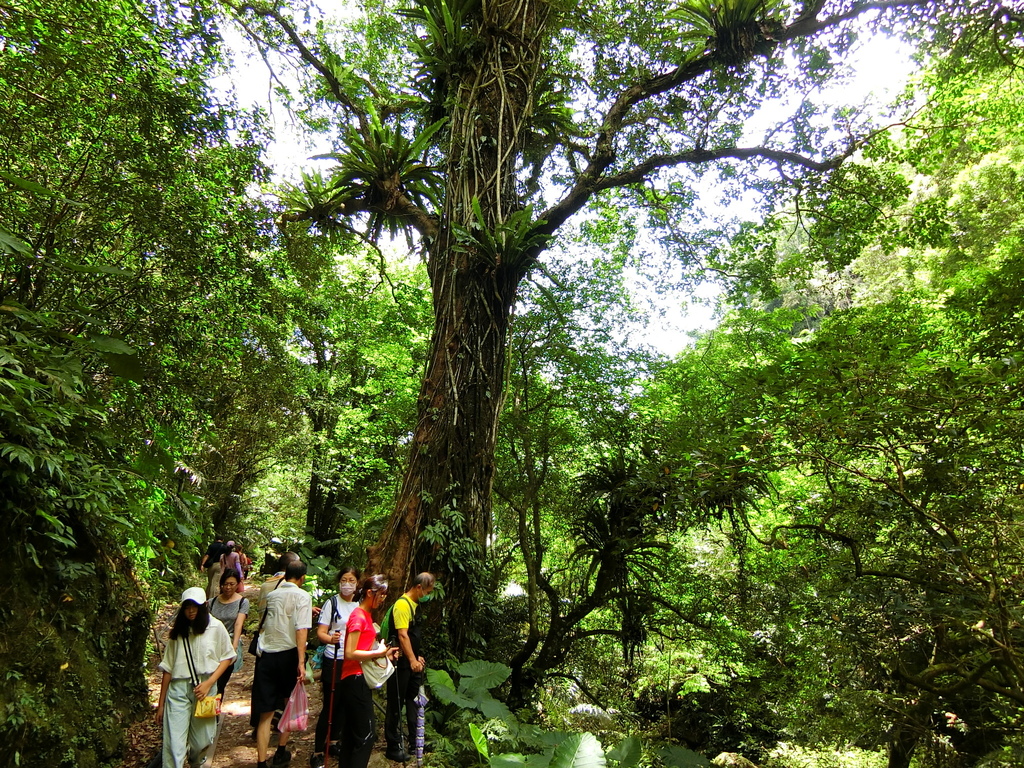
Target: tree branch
335,85
641,172
591,180
808,24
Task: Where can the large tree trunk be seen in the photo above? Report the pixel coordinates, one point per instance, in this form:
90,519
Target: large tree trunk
908,731
447,486
443,510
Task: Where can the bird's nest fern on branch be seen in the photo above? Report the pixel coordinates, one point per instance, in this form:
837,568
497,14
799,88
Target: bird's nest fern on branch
378,171
732,30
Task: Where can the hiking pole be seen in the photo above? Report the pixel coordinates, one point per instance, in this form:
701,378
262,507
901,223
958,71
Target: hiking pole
335,674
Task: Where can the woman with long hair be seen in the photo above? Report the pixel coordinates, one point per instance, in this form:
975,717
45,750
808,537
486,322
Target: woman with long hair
197,653
358,730
334,617
230,608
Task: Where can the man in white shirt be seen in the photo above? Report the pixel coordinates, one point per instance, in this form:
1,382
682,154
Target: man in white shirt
282,657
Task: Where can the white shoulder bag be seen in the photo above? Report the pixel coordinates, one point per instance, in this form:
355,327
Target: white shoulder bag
377,671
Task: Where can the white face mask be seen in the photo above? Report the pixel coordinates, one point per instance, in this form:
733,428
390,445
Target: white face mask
347,590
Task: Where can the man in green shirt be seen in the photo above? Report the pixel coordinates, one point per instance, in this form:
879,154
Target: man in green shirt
404,685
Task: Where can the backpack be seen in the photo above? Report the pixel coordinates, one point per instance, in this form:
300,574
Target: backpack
387,633
334,610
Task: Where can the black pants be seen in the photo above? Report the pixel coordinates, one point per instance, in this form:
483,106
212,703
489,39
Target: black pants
222,681
358,726
403,688
329,678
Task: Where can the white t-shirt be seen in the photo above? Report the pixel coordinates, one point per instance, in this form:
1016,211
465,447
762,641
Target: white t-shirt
208,651
289,608
345,608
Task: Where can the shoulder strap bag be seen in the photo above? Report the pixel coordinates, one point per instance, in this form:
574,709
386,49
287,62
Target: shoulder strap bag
377,671
208,706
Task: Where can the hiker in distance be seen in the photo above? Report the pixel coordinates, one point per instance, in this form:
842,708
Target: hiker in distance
211,564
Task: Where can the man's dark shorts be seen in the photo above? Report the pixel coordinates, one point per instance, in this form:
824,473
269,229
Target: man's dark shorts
276,675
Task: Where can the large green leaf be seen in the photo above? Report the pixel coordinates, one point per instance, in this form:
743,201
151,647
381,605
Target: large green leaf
542,760
479,741
126,366
38,189
579,750
11,243
482,674
508,760
680,757
438,678
444,689
627,752
110,344
491,707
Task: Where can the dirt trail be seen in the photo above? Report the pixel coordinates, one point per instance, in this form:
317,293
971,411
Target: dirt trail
235,747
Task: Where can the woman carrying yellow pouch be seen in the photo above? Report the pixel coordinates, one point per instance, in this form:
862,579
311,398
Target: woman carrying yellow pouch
197,653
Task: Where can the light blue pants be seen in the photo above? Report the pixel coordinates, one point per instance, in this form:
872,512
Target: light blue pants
185,735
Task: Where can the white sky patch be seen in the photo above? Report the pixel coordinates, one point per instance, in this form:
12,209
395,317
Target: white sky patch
253,85
513,590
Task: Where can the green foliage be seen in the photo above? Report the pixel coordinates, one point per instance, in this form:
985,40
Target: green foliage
128,295
679,757
56,443
377,168
476,678
579,750
447,47
540,748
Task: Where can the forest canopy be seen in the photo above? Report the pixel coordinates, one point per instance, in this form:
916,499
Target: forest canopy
797,538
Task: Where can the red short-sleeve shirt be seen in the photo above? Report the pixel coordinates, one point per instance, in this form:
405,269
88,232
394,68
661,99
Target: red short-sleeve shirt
360,622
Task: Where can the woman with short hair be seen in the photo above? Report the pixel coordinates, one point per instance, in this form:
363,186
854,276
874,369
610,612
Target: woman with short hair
230,608
334,617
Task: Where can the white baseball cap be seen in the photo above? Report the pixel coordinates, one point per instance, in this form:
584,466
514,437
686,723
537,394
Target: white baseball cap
196,594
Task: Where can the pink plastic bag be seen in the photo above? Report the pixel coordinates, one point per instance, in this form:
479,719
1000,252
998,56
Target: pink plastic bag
296,712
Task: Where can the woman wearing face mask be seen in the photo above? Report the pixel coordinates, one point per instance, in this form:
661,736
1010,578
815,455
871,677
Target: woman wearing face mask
331,632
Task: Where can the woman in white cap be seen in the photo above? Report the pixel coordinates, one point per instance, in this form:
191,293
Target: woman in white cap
197,653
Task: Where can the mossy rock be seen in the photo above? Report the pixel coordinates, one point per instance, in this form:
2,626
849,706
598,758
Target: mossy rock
72,651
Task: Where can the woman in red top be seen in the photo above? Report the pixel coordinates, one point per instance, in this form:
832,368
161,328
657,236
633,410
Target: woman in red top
358,731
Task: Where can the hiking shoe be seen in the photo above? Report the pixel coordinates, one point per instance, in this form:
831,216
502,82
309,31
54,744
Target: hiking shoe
399,756
316,760
280,758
